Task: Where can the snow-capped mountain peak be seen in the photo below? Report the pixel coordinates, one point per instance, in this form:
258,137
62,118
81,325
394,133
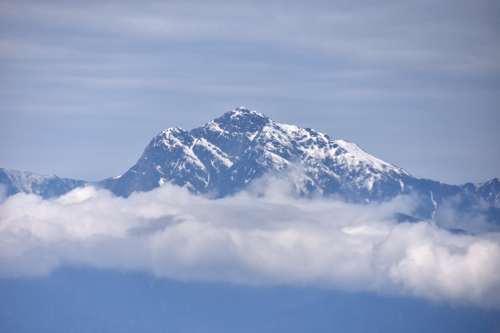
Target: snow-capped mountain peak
229,152
240,121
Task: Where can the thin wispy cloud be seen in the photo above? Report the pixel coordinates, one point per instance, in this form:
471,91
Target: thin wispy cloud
323,66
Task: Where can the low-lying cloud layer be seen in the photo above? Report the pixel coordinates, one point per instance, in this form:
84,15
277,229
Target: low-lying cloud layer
253,239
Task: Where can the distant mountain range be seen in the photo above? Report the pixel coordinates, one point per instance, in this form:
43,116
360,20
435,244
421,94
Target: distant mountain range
229,153
14,181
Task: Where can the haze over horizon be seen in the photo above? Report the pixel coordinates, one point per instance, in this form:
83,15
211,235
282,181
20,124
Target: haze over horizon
85,86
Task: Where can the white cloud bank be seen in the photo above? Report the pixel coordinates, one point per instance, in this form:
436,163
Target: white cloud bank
269,239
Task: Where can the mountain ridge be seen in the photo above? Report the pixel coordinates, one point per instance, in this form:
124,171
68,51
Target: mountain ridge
226,154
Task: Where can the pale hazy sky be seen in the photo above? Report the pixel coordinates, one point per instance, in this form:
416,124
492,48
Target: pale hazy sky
84,85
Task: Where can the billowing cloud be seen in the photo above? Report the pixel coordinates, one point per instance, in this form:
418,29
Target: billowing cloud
259,239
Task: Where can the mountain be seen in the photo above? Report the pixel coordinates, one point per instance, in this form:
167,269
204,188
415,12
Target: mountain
229,153
14,181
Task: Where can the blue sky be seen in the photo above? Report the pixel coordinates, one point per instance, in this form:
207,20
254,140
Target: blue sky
85,85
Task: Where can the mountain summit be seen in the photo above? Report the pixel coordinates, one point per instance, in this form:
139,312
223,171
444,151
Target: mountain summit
229,153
